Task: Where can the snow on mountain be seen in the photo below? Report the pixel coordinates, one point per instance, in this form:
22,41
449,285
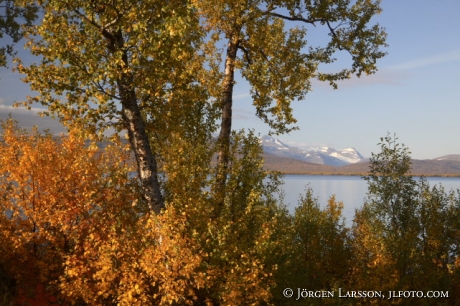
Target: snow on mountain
451,157
268,141
348,155
318,155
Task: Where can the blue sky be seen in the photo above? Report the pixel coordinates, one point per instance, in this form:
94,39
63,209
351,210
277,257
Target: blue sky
415,93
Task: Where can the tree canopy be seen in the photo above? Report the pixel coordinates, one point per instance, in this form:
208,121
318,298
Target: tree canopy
133,66
11,19
151,69
267,42
78,228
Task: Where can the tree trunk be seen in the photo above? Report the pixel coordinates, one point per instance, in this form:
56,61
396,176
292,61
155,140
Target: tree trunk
146,162
134,124
226,121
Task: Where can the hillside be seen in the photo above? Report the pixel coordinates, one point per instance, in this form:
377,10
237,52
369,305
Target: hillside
448,165
454,157
419,167
294,166
317,155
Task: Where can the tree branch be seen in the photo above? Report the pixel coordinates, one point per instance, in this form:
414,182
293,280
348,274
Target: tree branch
83,16
246,54
310,21
333,33
291,18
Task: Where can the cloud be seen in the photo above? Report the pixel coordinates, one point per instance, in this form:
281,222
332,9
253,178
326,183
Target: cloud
304,145
395,74
446,57
241,96
29,118
383,76
243,114
297,144
12,109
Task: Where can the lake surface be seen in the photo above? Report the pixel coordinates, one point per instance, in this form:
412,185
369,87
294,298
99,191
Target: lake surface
351,190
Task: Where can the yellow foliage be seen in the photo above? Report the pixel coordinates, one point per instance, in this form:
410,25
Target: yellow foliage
74,229
58,197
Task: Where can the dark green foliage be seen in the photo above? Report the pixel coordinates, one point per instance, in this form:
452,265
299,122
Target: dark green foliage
322,239
407,233
392,200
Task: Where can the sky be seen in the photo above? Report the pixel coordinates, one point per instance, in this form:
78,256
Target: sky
415,93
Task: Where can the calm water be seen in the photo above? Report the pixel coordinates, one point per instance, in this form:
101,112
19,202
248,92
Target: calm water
351,190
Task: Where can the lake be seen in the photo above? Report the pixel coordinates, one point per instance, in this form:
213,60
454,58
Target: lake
351,190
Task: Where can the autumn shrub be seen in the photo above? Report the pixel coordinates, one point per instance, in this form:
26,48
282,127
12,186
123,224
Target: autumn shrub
190,254
323,240
6,288
58,197
316,254
405,237
239,243
75,230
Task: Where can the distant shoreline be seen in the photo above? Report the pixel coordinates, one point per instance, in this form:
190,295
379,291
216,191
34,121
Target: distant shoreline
365,174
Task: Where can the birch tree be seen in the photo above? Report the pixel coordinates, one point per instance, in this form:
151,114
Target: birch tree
133,65
127,65
267,42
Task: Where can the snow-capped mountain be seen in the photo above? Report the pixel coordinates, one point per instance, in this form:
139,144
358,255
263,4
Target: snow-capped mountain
317,155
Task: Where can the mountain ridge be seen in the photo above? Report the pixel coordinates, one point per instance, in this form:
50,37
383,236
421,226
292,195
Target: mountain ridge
291,160
446,165
318,155
418,167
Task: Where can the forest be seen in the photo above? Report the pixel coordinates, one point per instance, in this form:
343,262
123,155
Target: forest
78,228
